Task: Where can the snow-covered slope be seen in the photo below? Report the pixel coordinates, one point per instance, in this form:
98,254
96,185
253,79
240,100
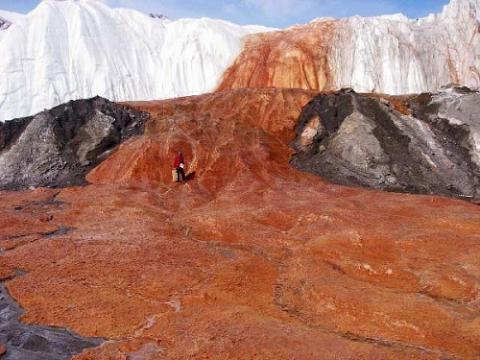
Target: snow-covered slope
7,18
75,49
12,17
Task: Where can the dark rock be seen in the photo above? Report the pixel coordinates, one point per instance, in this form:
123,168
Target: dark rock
57,148
159,16
359,140
32,342
59,232
4,24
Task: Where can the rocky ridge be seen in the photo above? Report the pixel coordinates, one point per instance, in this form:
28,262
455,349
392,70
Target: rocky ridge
425,144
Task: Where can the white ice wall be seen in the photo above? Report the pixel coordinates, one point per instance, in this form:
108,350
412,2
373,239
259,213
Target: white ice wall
74,49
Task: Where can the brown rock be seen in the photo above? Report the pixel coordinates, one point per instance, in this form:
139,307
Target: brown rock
251,258
3,349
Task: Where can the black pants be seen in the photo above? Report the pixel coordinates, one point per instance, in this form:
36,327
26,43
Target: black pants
181,174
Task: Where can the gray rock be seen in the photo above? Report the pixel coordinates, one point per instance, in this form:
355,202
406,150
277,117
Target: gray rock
358,140
57,148
4,24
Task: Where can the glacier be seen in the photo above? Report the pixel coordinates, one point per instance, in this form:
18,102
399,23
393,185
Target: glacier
396,55
384,54
74,49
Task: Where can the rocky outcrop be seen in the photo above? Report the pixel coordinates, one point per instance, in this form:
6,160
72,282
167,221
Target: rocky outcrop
360,140
385,54
4,24
60,146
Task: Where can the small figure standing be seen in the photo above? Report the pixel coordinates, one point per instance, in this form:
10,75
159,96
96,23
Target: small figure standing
179,167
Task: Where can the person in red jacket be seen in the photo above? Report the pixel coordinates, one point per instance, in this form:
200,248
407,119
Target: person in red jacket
179,166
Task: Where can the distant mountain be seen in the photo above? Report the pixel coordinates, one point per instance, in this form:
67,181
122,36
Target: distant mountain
69,49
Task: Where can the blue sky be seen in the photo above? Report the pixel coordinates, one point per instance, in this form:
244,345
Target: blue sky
278,13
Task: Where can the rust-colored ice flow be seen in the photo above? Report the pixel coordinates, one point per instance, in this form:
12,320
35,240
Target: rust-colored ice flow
250,258
293,58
